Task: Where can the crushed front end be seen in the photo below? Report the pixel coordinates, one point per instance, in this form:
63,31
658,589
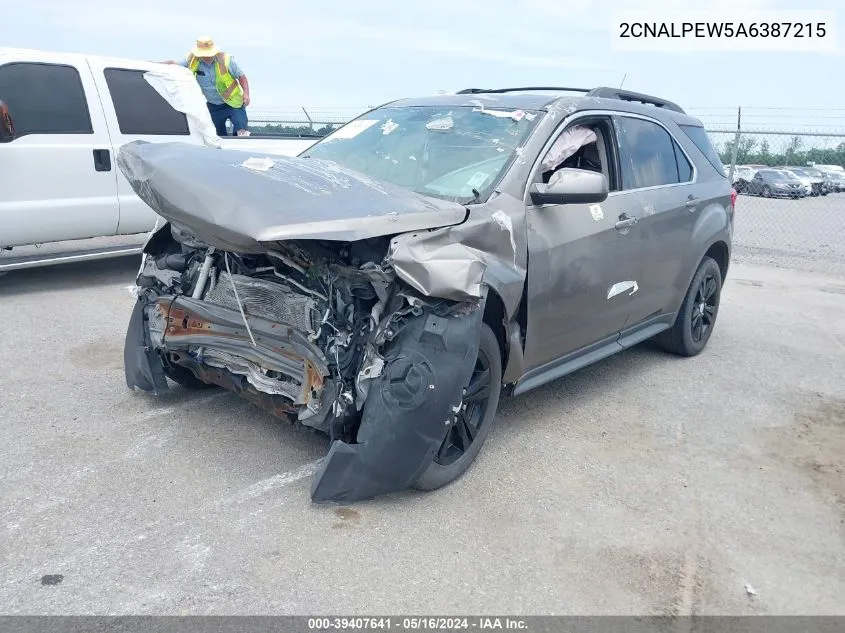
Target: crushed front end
321,333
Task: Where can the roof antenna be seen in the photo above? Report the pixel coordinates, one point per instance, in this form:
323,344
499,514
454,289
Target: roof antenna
623,81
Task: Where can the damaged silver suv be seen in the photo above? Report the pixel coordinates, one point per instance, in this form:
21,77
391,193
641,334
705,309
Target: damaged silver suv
384,286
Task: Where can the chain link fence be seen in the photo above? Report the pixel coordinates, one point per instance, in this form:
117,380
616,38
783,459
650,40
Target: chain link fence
790,211
793,218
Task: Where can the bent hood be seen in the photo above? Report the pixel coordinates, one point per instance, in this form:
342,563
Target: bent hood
239,201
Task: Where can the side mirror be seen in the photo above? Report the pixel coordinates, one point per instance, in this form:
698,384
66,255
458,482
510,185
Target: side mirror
7,130
571,186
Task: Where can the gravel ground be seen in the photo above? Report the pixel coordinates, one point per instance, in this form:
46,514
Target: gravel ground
806,234
645,484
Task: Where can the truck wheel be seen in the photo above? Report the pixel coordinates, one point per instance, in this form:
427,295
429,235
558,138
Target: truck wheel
697,316
464,437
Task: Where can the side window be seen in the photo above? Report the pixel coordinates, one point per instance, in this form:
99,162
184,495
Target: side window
45,99
646,154
684,168
139,108
580,146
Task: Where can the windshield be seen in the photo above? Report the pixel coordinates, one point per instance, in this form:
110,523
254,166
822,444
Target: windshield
813,173
454,153
799,172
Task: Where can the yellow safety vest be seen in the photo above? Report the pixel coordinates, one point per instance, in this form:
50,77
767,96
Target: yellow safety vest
228,87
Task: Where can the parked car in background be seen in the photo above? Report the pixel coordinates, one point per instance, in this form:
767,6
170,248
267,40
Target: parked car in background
741,177
835,181
806,185
835,176
774,183
813,179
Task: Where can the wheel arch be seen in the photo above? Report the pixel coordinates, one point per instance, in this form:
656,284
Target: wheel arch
720,252
494,317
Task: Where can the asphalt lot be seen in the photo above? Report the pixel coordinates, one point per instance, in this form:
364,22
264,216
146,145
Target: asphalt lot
805,234
645,484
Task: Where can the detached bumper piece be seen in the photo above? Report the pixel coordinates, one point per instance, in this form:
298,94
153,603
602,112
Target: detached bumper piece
141,364
405,416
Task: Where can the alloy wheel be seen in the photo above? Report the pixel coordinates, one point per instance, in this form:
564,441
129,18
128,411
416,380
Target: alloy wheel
467,420
704,308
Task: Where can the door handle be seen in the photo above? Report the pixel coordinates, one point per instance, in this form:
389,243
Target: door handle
625,221
692,203
102,160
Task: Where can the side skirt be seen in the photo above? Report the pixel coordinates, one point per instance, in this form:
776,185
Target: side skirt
590,354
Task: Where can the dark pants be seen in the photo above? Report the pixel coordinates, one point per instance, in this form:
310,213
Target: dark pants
221,113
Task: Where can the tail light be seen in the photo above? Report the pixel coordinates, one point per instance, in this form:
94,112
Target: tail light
733,197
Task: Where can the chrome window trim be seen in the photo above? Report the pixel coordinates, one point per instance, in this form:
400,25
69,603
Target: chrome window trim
581,114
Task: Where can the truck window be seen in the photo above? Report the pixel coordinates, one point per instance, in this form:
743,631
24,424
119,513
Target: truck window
45,98
139,108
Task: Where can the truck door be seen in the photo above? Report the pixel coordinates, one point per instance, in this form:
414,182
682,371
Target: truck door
57,174
135,111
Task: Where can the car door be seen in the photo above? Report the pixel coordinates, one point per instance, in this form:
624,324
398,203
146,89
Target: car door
135,111
575,254
755,185
658,189
57,180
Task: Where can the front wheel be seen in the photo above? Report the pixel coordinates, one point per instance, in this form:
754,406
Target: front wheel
697,316
473,422
766,191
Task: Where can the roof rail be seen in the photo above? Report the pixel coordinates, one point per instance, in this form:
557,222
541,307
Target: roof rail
627,95
473,91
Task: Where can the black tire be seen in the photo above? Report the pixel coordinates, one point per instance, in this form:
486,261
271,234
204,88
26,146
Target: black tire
767,193
694,323
452,461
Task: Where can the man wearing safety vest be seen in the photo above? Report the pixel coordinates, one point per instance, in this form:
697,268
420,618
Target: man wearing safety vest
223,83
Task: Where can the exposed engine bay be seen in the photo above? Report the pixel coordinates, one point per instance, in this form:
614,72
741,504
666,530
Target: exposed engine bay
319,332
348,304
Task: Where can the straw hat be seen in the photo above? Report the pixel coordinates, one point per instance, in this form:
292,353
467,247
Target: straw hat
205,47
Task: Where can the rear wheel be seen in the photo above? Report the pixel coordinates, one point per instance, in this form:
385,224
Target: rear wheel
474,421
697,317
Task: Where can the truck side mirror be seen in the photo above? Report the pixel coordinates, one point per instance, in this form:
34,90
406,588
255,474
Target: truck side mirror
7,129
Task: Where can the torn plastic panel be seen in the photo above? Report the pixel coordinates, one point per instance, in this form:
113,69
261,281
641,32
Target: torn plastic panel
141,365
179,88
404,422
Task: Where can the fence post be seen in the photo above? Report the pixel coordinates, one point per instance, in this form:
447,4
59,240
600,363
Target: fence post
736,144
310,121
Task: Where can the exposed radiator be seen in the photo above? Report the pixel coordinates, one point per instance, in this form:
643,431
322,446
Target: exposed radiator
268,300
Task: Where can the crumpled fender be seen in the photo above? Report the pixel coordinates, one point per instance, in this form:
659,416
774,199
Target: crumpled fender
141,366
404,418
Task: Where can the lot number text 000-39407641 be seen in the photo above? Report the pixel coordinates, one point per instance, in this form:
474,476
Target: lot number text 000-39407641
736,31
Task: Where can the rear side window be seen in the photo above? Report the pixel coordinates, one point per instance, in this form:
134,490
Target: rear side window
139,108
684,168
699,136
647,155
45,99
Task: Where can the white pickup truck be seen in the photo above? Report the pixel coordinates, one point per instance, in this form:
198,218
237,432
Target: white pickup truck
65,117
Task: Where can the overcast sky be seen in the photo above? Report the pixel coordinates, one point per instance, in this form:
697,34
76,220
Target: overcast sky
353,54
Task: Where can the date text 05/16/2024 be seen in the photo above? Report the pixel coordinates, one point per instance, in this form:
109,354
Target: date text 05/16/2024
423,623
